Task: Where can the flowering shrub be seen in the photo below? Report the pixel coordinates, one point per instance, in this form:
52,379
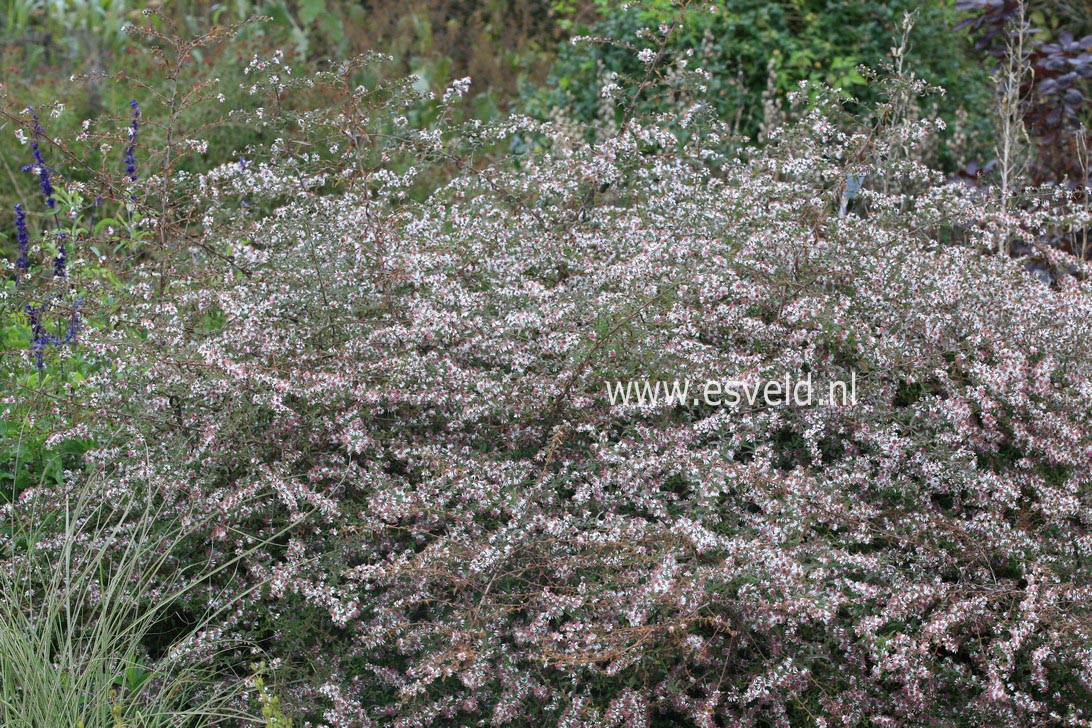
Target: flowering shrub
394,409
758,51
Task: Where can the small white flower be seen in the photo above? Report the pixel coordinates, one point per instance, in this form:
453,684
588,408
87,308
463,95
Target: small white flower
457,89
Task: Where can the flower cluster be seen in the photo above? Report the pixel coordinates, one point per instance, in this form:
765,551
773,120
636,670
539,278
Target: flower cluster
22,263
40,338
130,149
60,261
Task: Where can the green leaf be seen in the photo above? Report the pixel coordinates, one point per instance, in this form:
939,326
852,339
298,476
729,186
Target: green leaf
278,14
135,677
106,221
310,10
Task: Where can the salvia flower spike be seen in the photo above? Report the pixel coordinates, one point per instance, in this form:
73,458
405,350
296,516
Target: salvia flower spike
39,166
130,150
22,263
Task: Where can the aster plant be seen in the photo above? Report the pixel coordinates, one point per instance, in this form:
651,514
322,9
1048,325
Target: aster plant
402,350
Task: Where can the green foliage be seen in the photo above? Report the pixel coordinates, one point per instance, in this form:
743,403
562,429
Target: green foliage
64,30
73,629
35,405
313,29
757,51
273,714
